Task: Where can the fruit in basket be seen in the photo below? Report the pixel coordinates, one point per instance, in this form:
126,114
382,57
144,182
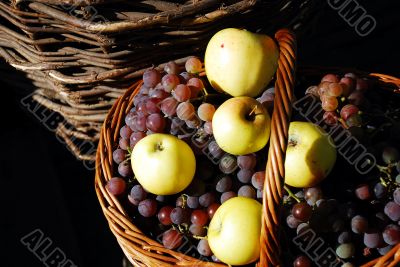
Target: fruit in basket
310,155
239,62
241,125
163,164
234,231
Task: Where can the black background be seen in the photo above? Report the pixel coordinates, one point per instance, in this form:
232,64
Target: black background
44,187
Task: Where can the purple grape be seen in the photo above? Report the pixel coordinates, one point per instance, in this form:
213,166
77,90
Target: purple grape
197,230
359,224
224,184
391,234
207,199
138,193
312,195
204,248
116,186
135,138
192,202
292,222
180,215
244,176
147,207
257,180
392,210
119,155
123,144
344,237
372,239
390,155
125,169
380,191
247,191
228,164
214,150
247,162
172,68
151,78
396,196
155,123
227,195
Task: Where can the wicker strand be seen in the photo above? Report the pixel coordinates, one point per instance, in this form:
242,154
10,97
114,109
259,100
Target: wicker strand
272,195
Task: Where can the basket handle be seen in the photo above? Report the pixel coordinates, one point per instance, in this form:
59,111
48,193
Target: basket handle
275,171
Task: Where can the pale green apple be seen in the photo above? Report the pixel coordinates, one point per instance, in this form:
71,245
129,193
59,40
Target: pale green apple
310,155
241,125
163,164
234,231
239,62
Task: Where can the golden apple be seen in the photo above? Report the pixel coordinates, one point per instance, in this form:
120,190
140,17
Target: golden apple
310,155
239,62
163,164
241,125
234,231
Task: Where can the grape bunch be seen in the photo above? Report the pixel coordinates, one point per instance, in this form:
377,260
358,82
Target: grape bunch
342,98
175,101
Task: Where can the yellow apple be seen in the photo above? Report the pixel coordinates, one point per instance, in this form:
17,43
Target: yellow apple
163,164
241,125
234,231
310,155
239,62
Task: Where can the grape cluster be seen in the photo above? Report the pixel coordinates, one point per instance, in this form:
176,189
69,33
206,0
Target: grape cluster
175,101
367,224
342,98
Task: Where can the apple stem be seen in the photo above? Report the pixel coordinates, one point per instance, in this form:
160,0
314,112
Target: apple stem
253,110
291,194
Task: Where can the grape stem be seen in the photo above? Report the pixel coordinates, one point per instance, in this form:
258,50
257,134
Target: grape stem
199,237
291,194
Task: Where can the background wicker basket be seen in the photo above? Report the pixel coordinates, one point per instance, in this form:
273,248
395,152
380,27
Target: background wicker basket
81,55
142,250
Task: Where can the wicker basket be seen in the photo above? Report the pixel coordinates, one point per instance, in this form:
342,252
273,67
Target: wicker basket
142,250
81,55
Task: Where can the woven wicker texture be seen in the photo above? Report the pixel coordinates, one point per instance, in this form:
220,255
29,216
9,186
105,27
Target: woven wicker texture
82,55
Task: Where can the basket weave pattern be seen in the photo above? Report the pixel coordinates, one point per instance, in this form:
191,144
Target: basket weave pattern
81,55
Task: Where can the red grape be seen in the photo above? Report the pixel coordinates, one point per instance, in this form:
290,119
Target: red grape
197,230
329,103
199,217
302,261
390,155
356,98
212,209
312,195
348,85
116,186
164,215
136,137
302,211
359,224
332,78
151,78
257,180
125,169
185,111
169,82
195,85
362,192
334,89
362,85
168,106
171,68
354,121
172,239
206,111
123,143
155,123
208,127
152,105
391,234
193,65
182,93
322,88
348,111
140,123
330,118
159,94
